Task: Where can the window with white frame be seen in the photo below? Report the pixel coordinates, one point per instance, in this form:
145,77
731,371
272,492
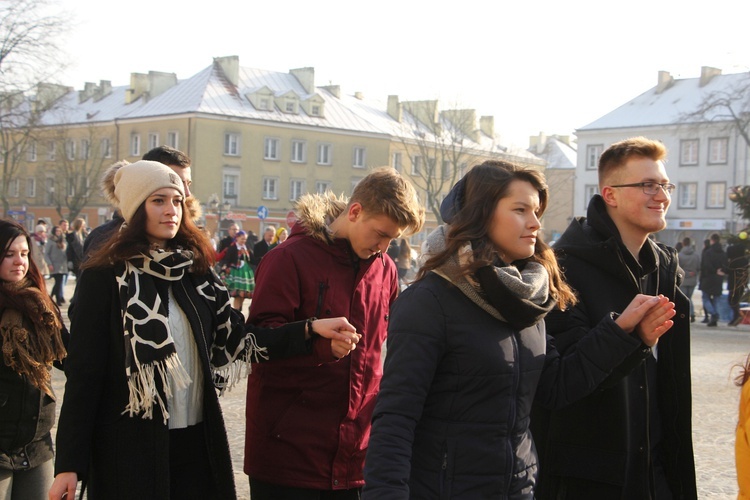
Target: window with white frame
49,193
446,169
315,110
14,187
31,187
71,186
270,188
85,149
322,186
593,152
173,139
299,151
105,147
70,149
717,150
290,107
296,189
264,103
51,150
589,191
135,145
416,165
687,193
31,151
359,157
716,194
231,183
49,185
232,144
689,152
396,160
153,140
271,148
324,153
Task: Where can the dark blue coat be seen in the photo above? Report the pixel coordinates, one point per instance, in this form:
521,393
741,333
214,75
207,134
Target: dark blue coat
452,416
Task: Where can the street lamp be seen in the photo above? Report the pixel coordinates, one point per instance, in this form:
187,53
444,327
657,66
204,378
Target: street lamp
219,209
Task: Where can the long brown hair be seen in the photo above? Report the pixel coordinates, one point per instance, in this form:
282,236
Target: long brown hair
131,240
483,187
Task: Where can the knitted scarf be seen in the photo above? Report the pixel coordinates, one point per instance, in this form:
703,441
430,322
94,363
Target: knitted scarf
30,331
150,353
517,296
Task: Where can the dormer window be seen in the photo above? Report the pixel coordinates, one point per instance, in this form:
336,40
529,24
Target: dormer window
315,110
290,107
264,103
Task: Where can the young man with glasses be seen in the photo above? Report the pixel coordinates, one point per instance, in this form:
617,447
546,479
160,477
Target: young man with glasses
633,437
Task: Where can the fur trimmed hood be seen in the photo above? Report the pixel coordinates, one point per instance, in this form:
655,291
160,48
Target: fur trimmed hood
315,212
107,185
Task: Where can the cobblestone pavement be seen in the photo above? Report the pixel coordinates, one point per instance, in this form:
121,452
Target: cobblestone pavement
715,401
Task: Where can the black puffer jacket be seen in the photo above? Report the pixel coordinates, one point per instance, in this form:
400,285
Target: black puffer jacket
606,436
452,416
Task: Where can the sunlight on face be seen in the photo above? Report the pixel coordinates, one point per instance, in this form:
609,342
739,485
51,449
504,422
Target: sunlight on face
163,215
514,226
15,263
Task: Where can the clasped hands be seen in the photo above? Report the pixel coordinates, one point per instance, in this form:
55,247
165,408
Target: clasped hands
342,334
649,316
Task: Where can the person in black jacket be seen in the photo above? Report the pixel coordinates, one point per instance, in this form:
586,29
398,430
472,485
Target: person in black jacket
467,351
737,264
713,266
154,336
32,338
631,439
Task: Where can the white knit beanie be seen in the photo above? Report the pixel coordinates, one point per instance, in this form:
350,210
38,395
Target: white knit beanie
137,181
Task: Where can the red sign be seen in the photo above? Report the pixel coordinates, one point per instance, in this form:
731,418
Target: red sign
291,218
232,216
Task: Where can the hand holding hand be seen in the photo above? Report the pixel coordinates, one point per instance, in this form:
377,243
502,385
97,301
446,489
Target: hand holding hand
343,335
64,486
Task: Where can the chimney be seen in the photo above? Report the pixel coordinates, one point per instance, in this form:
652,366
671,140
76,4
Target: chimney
89,90
359,95
159,82
230,66
537,143
335,90
149,86
707,73
105,88
48,93
394,108
664,81
487,125
464,120
424,111
306,78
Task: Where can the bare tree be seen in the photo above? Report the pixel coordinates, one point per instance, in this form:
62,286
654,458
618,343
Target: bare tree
437,148
730,105
30,36
81,161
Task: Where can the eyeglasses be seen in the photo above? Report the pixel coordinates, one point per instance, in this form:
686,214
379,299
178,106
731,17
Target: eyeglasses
650,188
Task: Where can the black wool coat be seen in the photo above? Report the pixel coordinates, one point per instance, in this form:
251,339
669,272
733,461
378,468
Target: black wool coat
124,457
605,437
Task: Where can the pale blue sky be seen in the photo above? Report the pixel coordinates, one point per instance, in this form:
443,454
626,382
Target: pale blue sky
536,66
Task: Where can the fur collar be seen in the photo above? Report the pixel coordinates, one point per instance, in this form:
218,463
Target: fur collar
315,212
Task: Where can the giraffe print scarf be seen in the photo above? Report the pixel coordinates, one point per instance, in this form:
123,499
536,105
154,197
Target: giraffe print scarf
150,353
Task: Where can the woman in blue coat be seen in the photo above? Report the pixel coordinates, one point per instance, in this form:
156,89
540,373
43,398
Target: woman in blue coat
468,353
